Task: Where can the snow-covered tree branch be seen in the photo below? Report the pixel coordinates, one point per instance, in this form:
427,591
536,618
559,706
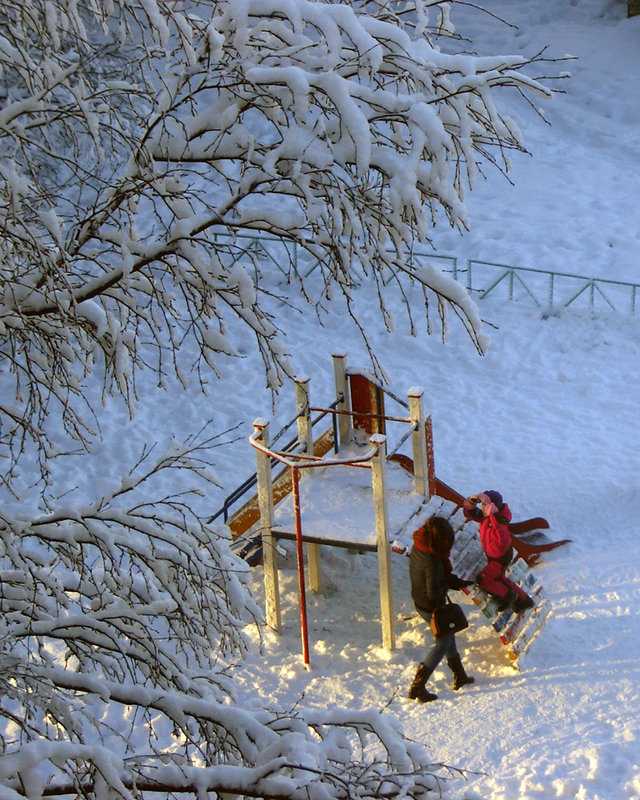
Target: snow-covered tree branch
139,141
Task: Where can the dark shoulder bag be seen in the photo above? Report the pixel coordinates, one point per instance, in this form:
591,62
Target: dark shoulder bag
448,618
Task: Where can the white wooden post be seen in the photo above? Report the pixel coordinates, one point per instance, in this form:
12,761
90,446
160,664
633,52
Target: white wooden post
269,552
305,437
378,483
418,443
345,428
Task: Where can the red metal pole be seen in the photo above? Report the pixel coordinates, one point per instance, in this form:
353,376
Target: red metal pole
431,470
299,550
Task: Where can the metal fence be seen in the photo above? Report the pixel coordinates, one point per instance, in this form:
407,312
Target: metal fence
543,288
548,289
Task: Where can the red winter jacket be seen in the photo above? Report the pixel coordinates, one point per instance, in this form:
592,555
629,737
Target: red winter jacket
494,533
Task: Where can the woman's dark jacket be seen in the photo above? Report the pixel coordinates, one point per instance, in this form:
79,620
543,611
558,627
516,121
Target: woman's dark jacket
430,580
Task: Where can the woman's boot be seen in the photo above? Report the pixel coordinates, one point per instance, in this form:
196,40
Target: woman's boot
460,677
417,690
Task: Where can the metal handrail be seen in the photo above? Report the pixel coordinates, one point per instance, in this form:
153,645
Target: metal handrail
395,397
403,439
252,480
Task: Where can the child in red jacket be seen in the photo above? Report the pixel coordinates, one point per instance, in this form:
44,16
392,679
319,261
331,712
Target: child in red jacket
494,515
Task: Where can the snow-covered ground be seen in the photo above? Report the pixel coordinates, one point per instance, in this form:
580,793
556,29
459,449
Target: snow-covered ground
549,416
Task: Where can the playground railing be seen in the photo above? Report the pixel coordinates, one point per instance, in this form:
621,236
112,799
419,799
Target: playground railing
400,424
250,483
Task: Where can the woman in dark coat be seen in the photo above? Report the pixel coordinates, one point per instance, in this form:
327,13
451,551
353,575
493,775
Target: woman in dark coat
431,578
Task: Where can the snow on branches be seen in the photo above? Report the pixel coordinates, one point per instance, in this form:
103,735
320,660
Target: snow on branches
121,625
141,141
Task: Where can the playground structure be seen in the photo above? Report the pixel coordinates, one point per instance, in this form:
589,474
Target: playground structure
395,495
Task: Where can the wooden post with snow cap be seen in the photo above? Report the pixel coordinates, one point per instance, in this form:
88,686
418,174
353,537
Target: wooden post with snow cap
305,439
419,443
345,433
378,483
269,552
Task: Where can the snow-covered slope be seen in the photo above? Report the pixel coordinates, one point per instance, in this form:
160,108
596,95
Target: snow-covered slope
574,203
549,417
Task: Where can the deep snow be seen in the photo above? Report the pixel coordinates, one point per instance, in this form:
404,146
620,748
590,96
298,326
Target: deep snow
548,416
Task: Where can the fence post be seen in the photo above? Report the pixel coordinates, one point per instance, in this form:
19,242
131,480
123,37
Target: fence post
305,438
418,442
378,482
269,552
342,389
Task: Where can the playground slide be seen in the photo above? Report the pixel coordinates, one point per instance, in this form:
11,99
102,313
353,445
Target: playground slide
528,540
515,528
